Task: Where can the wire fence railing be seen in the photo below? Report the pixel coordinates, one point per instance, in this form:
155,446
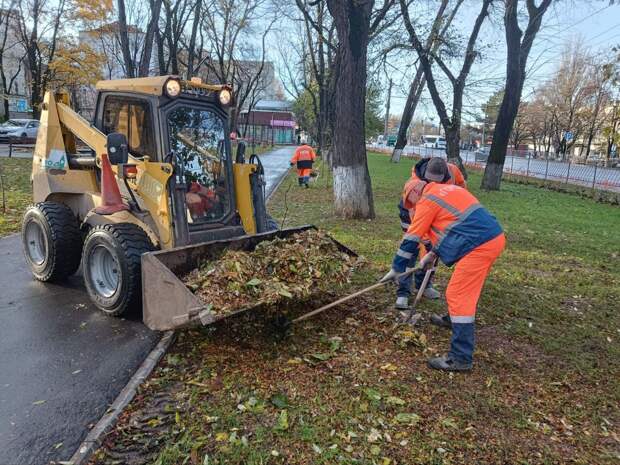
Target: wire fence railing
594,173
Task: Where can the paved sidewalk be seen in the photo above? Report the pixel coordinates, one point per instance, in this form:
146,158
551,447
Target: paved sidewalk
276,164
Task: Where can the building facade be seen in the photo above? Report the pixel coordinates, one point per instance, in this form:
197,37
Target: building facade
269,122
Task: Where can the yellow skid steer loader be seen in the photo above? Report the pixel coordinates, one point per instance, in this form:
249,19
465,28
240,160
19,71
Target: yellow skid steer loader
155,192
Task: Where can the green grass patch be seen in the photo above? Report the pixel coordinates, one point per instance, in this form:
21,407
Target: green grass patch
15,174
344,388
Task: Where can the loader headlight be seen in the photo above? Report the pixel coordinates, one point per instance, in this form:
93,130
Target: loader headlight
225,97
172,88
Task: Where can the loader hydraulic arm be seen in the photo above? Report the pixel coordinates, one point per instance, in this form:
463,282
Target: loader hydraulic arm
150,183
78,126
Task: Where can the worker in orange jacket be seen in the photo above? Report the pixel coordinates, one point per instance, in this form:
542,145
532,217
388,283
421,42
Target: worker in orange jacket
304,158
410,195
461,232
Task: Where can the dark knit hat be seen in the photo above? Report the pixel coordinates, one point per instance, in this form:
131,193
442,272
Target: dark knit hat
436,170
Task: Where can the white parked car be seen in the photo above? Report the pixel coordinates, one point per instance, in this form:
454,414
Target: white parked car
19,130
434,142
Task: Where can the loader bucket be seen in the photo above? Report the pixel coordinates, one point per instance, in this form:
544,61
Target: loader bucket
167,303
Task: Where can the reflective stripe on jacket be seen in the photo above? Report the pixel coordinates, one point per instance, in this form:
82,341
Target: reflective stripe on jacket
454,221
410,194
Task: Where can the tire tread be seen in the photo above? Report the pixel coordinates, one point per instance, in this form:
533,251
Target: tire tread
66,240
134,242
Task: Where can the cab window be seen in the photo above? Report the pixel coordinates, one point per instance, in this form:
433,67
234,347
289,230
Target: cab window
131,117
197,139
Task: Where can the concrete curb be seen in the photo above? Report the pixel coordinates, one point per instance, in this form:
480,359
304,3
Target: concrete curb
278,184
108,420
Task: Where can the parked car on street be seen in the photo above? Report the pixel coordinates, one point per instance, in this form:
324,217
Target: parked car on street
18,130
482,154
434,142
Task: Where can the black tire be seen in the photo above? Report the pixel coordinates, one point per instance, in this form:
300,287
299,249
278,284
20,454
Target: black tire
111,266
52,241
272,225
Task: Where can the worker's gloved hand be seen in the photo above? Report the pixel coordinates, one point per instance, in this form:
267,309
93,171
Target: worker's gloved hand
427,245
391,275
428,260
292,164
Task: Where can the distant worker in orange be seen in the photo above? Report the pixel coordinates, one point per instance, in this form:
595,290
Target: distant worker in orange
462,232
304,158
410,195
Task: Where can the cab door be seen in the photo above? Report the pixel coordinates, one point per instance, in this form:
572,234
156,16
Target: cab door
134,117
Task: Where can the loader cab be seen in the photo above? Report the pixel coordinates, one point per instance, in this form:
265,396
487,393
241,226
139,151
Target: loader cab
185,125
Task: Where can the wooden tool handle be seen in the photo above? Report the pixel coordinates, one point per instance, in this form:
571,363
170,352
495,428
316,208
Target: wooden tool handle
351,296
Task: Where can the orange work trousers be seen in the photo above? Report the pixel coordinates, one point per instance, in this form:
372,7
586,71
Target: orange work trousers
303,172
466,283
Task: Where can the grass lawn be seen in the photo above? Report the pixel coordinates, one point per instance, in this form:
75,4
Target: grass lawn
342,388
15,174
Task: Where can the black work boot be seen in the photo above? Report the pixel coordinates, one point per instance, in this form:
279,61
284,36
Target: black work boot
445,363
441,320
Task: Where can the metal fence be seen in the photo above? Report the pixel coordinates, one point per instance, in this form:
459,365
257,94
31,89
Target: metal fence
595,173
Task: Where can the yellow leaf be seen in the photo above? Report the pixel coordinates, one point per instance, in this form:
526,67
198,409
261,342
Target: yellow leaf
223,436
389,367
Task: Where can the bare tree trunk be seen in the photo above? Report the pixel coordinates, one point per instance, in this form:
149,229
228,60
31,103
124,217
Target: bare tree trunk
145,60
451,124
191,52
352,187
124,39
161,59
415,91
517,54
417,86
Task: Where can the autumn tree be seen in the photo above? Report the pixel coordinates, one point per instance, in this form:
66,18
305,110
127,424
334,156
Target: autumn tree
176,54
74,67
355,21
12,54
38,28
373,121
518,46
137,48
436,36
451,123
238,48
316,52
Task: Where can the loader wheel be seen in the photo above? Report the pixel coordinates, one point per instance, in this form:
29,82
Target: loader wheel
272,225
52,241
111,266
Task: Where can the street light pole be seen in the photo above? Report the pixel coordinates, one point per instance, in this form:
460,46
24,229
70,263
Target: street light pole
387,111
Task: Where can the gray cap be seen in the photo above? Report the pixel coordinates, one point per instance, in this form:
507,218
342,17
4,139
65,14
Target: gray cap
436,169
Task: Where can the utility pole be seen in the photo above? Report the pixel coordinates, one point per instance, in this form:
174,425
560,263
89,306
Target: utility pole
387,111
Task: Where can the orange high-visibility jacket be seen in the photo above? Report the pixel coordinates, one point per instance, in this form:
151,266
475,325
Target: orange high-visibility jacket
417,174
452,219
304,157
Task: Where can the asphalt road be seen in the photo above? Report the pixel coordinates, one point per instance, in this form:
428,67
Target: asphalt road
276,164
17,151
62,362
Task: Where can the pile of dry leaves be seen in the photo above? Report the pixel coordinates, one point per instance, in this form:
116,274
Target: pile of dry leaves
290,268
